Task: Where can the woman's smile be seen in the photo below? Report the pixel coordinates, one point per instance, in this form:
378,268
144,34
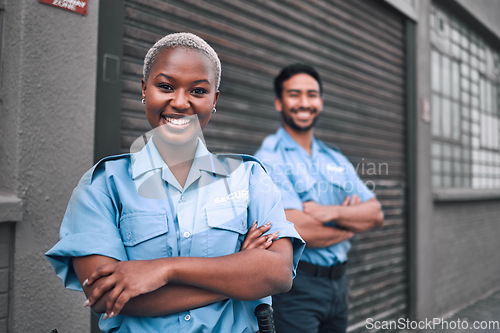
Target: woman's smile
177,122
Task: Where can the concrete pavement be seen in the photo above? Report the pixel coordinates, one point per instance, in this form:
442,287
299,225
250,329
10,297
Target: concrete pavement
480,316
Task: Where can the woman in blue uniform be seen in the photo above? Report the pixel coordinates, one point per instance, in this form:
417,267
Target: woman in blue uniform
156,238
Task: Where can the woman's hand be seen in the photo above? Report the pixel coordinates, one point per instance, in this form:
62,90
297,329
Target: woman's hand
125,280
255,240
128,279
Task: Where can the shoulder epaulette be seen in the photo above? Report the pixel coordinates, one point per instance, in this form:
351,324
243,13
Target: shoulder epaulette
330,146
242,157
98,165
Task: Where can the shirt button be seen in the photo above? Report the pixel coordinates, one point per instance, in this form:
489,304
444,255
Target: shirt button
183,198
187,234
187,317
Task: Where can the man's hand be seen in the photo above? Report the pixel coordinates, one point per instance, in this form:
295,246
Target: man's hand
348,201
315,233
255,240
353,214
326,214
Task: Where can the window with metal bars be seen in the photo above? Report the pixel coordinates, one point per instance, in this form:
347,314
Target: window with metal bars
465,84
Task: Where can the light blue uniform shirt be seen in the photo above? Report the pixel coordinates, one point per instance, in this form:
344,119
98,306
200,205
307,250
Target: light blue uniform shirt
131,207
325,177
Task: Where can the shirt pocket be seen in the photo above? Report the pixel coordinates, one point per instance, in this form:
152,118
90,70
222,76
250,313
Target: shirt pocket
145,236
227,226
303,184
338,185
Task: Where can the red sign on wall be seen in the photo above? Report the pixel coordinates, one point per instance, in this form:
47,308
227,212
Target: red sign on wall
75,6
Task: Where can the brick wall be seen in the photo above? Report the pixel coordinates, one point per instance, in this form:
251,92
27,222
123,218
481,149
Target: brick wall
466,252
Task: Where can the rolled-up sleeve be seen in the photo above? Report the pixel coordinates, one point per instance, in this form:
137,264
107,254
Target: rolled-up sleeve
88,228
265,205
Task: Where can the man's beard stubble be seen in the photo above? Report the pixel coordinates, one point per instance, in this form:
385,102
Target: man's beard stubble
289,121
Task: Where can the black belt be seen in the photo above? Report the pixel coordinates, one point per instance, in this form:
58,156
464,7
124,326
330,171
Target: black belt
329,272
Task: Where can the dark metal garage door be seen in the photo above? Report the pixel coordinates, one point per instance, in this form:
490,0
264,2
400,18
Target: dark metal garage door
358,47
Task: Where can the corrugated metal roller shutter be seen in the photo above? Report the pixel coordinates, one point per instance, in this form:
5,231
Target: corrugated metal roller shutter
358,47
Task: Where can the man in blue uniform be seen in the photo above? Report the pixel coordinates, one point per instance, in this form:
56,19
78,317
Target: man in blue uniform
323,197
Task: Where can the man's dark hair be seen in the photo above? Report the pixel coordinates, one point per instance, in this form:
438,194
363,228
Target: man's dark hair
292,70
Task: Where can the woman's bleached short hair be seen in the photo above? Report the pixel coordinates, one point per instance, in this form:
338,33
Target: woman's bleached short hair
182,39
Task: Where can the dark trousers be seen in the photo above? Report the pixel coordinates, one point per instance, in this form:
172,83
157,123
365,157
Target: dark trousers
314,304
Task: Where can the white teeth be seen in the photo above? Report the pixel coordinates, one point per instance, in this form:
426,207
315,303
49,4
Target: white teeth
177,121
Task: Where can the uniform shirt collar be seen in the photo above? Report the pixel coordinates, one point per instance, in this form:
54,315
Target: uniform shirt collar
290,144
286,140
149,158
206,161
